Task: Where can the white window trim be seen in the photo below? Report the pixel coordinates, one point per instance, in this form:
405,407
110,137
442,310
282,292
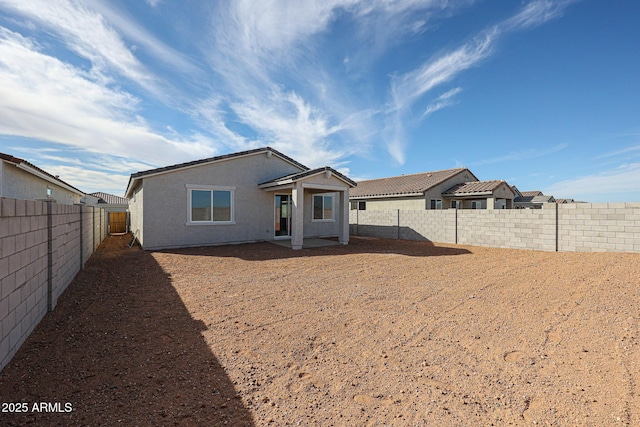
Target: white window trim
191,187
333,207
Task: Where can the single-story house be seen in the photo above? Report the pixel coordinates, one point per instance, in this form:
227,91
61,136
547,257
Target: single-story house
20,179
108,202
116,206
250,196
495,194
444,189
530,199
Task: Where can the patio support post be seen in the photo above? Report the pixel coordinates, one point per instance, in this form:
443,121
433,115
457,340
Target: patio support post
344,213
297,216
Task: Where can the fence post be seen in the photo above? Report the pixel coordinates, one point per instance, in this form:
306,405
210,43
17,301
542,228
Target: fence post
49,205
557,222
398,234
357,221
81,239
456,223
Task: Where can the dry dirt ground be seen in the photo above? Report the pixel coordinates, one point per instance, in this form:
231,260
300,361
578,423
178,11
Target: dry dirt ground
379,332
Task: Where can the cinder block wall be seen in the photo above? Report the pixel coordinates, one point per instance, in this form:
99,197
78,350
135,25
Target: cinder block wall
599,227
509,228
566,227
40,254
431,225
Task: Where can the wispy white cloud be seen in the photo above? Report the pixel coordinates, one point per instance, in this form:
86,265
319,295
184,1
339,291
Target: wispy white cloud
407,88
443,101
259,46
536,13
125,25
634,149
45,99
531,153
89,180
86,33
620,183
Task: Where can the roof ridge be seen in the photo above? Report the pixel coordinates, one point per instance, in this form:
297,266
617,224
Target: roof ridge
415,174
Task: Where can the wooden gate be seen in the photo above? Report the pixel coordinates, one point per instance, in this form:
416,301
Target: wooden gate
117,222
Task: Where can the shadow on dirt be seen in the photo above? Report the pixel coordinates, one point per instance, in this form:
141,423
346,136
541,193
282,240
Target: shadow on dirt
120,348
357,245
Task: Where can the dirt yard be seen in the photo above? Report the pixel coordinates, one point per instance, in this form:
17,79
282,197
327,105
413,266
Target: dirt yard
379,332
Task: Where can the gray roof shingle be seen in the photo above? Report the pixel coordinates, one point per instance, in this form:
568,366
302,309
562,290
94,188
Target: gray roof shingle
110,198
468,188
404,184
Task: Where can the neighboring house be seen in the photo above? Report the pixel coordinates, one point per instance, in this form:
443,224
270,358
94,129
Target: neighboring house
480,195
20,179
530,199
564,201
254,195
108,202
116,206
444,189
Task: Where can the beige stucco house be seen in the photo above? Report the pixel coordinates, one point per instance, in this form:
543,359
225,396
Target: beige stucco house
20,179
444,189
530,199
106,201
250,196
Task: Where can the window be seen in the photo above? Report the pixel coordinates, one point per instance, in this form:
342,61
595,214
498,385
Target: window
436,204
323,207
455,204
356,205
49,191
210,205
476,204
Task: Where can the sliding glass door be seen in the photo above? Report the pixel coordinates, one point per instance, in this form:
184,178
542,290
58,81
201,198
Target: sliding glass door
282,229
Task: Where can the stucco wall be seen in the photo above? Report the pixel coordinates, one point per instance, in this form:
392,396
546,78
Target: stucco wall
416,203
19,184
136,204
435,193
165,212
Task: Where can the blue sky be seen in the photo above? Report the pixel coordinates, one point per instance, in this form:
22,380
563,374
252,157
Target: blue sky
542,94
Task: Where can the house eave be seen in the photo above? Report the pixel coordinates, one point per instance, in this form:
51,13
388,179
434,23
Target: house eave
468,195
49,179
386,196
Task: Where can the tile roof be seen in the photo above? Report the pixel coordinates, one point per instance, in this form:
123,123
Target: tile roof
216,158
469,188
531,193
110,198
298,175
17,161
404,184
135,176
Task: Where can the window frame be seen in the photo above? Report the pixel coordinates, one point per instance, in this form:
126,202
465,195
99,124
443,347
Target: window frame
333,207
211,188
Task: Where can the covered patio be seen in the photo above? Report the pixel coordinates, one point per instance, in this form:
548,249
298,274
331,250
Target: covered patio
310,204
